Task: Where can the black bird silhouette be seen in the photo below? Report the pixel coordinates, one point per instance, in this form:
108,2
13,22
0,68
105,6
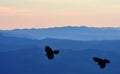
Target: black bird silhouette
50,53
101,62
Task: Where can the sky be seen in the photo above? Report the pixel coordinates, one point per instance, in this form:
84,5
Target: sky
54,13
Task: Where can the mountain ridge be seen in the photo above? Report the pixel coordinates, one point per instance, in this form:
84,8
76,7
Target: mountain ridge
73,33
65,27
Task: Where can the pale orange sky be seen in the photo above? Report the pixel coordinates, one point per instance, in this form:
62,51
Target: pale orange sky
54,13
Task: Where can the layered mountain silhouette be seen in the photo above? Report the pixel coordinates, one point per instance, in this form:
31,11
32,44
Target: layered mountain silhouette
22,51
9,43
74,33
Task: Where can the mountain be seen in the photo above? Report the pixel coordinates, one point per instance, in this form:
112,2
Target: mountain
27,56
34,61
13,43
72,33
105,45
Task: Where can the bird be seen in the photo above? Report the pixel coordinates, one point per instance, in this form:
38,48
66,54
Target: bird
50,53
101,62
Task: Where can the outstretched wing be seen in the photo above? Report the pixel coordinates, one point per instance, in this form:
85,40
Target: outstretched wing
48,49
97,59
56,51
106,60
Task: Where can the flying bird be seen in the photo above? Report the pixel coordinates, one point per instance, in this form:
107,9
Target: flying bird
101,62
50,53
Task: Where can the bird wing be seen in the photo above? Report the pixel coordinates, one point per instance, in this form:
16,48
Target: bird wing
106,60
97,59
48,49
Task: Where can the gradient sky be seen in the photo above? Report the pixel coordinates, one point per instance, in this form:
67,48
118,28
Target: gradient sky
54,13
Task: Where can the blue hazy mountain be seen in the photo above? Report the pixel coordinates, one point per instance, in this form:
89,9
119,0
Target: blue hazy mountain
34,61
105,45
27,56
13,43
74,33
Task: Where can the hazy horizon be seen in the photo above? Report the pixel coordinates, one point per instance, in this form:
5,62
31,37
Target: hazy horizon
58,27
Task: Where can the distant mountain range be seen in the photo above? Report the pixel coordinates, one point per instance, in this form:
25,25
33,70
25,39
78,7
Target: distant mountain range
68,32
34,61
13,43
22,55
